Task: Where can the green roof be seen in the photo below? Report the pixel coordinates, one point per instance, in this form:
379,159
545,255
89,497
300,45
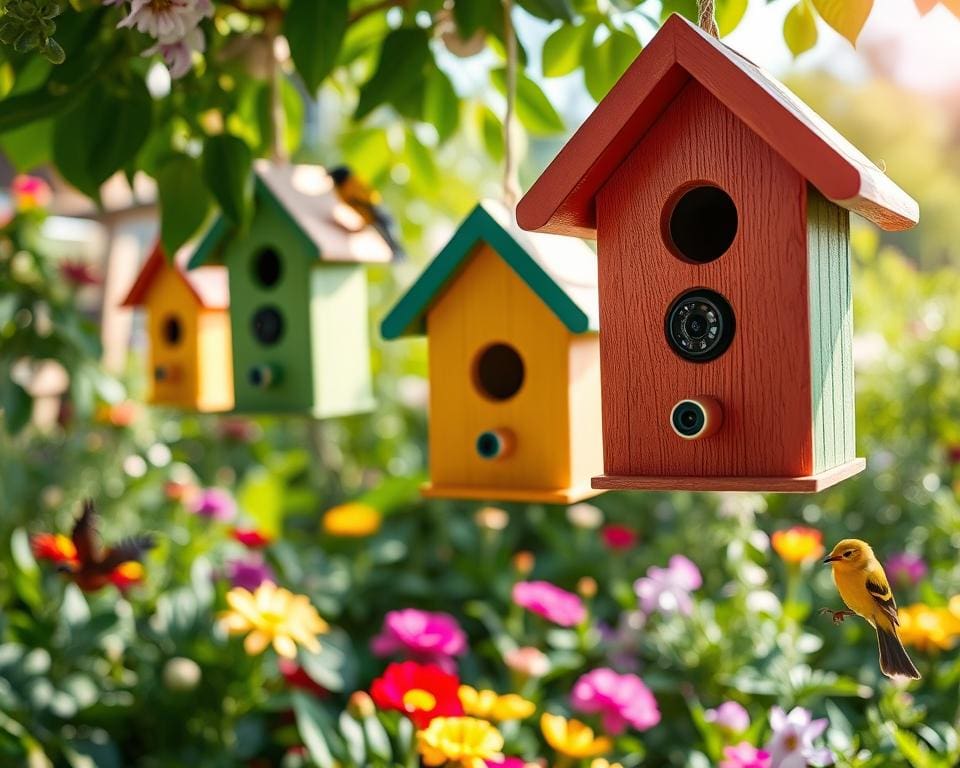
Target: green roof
572,300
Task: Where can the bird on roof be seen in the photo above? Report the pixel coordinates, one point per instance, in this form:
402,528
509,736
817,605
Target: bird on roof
85,562
863,586
369,204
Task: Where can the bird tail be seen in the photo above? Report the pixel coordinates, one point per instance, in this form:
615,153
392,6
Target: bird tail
893,656
384,224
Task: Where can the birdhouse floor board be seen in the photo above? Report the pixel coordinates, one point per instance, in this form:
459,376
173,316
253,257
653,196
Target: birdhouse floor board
809,484
484,493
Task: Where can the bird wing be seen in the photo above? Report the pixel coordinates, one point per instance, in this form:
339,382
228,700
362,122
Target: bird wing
127,550
84,534
879,589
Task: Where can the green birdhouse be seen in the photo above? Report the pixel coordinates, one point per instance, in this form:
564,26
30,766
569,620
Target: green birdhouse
298,295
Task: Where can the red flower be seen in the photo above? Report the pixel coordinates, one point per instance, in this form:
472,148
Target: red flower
78,273
619,537
54,547
296,677
250,538
953,454
126,575
421,691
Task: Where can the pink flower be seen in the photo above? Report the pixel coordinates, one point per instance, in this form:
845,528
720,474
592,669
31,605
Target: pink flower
551,602
169,21
249,573
30,192
507,762
906,568
668,589
251,538
178,55
729,716
792,743
621,700
215,504
527,661
745,755
619,537
430,638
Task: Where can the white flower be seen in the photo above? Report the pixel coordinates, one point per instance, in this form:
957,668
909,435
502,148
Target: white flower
178,56
791,745
169,21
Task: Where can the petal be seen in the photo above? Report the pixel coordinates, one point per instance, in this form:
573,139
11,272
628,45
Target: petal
284,646
256,642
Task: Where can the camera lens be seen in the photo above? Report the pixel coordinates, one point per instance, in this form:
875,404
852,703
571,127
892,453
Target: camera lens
700,325
689,418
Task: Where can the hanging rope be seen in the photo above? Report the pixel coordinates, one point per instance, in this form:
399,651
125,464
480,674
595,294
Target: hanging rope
707,18
511,164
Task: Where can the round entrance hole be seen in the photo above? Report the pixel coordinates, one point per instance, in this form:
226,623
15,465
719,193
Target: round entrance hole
267,267
172,330
498,372
702,224
267,325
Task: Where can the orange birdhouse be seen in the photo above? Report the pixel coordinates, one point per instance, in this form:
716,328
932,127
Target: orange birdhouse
511,324
720,205
188,326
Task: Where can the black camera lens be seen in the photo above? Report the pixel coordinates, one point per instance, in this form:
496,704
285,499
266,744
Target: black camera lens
700,325
689,418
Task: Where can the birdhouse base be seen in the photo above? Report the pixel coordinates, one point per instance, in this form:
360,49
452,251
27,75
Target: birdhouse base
531,495
808,484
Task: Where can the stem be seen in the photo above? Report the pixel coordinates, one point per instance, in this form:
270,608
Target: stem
511,172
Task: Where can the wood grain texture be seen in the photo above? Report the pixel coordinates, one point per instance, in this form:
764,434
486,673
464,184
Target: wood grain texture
492,493
763,379
808,484
563,199
831,332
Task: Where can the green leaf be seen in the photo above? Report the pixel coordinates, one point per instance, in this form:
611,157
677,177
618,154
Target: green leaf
534,109
563,50
17,405
491,130
846,16
441,107
800,28
261,498
184,201
729,15
603,65
315,32
228,171
311,719
474,15
400,71
548,10
102,134
352,733
30,146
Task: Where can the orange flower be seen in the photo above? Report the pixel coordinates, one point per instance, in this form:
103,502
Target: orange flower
127,574
54,547
573,738
929,629
798,544
353,520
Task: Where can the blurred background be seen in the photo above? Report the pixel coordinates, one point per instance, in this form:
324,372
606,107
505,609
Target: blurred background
146,673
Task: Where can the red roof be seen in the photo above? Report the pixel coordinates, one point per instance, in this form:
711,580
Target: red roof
208,284
562,199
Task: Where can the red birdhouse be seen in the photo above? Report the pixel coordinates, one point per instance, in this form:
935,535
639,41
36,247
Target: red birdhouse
720,204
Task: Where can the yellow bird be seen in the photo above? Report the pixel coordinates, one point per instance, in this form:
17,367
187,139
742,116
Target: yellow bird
864,588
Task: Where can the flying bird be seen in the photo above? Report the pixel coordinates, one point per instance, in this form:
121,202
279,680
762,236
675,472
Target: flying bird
369,204
864,588
83,560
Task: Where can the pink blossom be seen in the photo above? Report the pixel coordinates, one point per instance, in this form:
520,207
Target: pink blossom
215,504
668,589
30,192
906,568
729,716
249,573
619,537
169,21
430,638
745,755
791,745
178,54
507,762
621,700
551,602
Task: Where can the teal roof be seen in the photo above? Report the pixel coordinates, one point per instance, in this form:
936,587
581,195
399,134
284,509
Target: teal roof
561,271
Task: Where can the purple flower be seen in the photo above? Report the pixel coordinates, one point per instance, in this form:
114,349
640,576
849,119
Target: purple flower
906,568
729,716
745,755
249,573
668,589
430,638
791,745
621,700
551,602
214,504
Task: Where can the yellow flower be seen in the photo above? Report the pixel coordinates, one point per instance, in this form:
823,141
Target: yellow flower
798,544
927,628
273,615
603,763
461,741
490,706
353,520
573,738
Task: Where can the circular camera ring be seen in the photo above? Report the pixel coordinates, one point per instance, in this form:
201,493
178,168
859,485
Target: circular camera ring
700,325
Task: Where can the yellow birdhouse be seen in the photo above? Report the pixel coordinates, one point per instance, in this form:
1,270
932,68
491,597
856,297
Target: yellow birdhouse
188,325
511,325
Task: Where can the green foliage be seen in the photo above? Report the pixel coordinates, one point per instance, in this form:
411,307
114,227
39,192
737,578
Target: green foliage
315,32
29,25
184,200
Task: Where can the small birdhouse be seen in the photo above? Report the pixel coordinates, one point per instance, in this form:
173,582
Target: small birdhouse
188,326
298,296
720,204
511,326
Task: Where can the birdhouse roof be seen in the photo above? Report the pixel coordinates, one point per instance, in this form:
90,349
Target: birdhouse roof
208,284
562,272
562,200
304,196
